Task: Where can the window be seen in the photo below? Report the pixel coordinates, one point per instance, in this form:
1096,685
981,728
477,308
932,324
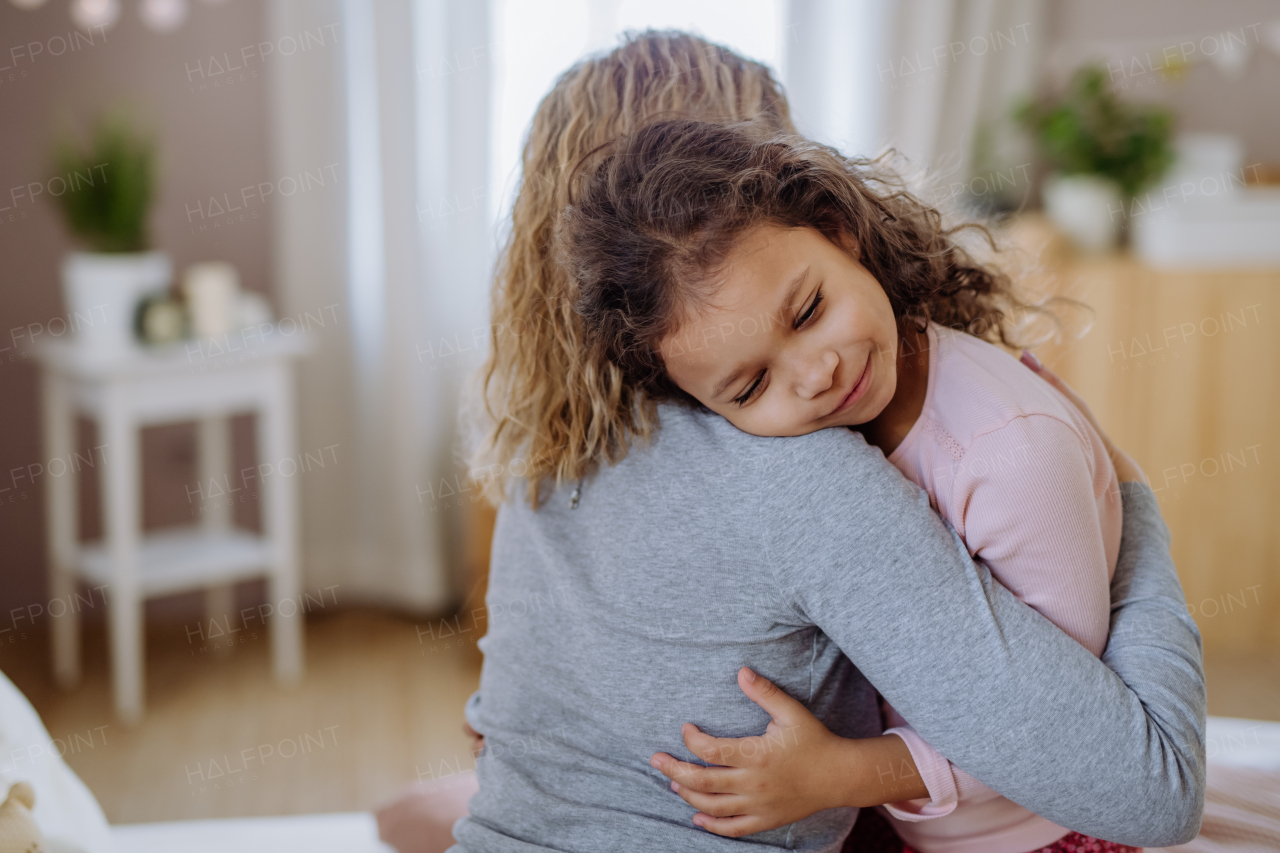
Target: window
535,42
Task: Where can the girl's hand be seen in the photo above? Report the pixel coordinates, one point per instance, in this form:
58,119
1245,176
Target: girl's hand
1126,469
798,767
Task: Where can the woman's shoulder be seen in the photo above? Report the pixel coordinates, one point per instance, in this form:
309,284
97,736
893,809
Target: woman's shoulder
700,475
701,456
697,442
979,388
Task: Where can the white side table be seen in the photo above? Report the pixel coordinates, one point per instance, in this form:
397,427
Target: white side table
130,389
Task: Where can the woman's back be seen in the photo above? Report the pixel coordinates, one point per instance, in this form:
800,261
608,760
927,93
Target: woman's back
612,624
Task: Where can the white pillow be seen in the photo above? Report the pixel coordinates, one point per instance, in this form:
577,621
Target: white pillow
68,815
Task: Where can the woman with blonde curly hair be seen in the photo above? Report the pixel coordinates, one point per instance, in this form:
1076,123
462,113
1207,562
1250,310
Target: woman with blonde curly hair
548,413
662,584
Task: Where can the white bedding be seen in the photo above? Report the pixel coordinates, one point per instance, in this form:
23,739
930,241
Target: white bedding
347,832
1243,743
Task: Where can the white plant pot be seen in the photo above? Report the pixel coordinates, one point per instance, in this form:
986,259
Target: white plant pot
1087,208
102,292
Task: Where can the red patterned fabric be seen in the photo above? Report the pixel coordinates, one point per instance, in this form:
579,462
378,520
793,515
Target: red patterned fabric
1074,842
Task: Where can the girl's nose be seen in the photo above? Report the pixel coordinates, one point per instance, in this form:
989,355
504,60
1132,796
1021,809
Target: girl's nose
816,374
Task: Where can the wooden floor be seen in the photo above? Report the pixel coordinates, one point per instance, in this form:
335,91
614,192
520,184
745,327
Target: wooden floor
380,706
221,738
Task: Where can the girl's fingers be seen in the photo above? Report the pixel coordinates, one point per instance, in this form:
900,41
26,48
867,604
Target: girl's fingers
730,827
716,805
726,751
784,710
695,777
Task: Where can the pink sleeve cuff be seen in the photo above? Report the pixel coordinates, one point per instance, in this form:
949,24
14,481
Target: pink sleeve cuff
935,772
969,789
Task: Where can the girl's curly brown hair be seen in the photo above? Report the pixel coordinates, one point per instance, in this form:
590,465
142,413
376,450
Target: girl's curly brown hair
659,210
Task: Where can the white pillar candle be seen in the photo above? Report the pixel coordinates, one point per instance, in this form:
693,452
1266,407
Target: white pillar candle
212,290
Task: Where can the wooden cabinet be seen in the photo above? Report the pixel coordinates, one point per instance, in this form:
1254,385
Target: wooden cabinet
1183,370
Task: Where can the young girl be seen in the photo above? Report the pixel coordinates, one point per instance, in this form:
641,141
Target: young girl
790,289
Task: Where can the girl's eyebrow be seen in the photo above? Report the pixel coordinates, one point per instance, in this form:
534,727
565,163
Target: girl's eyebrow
788,298
724,384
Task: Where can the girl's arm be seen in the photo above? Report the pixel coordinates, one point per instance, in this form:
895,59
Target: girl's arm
1035,521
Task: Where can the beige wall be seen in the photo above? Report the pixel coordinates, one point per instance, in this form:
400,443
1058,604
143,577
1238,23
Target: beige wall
213,140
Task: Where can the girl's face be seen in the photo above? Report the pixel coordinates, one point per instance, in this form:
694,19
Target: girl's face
796,337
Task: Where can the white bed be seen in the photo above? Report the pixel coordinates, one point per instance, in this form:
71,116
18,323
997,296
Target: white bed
1243,743
1240,743
347,832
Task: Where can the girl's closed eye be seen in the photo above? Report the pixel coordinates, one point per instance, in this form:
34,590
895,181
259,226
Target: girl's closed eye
750,392
801,321
808,312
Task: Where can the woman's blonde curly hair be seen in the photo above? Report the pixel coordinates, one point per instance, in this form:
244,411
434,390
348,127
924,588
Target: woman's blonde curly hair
542,410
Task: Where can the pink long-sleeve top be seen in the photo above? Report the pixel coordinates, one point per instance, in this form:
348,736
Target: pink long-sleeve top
1027,483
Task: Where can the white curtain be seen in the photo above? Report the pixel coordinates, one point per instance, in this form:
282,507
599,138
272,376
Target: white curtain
402,105
934,79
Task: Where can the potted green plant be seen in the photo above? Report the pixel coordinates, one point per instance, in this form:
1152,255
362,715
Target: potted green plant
1103,152
110,187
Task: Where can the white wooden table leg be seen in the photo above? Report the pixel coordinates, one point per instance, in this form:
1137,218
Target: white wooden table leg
214,453
122,499
60,526
278,499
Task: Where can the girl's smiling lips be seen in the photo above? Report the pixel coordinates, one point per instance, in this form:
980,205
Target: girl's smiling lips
855,393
